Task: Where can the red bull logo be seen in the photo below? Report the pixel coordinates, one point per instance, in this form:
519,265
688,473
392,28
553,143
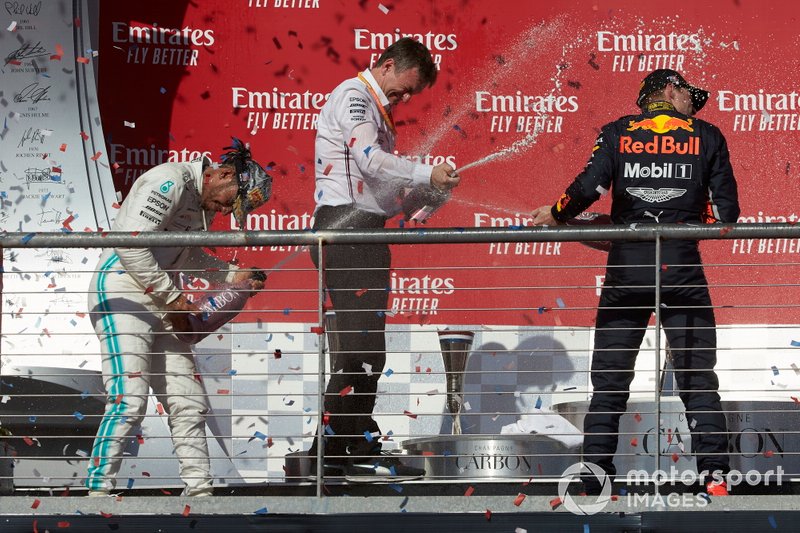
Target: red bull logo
659,145
661,124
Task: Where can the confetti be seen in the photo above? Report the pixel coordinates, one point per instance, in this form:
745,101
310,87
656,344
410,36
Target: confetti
409,414
261,511
83,60
519,499
78,415
637,417
345,391
488,514
278,354
772,522
795,343
388,372
539,402
36,503
634,442
327,169
129,124
384,9
555,503
12,26
470,490
186,510
367,150
361,292
775,371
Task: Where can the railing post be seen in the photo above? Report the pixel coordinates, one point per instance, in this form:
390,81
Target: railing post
320,367
658,356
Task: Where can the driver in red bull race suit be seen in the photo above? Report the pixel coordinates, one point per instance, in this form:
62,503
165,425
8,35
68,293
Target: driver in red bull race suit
137,306
661,166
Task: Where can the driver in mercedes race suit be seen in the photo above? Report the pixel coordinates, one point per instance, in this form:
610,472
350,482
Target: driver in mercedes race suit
137,307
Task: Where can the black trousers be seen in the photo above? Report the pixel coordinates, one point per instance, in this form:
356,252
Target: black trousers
626,303
357,280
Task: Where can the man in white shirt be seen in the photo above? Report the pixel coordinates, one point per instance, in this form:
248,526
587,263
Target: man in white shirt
360,184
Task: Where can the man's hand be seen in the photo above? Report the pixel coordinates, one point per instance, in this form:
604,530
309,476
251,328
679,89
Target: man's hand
256,281
543,216
444,177
178,313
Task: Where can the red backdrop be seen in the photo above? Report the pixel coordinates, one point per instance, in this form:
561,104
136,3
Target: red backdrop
190,75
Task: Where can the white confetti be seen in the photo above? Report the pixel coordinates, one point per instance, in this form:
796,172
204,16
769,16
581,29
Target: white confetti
12,26
129,124
384,9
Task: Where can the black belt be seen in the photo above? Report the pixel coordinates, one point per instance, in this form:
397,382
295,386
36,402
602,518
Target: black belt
346,216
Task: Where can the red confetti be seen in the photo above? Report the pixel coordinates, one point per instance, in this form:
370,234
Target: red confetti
725,231
675,457
220,337
469,491
326,418
35,528
345,391
96,461
146,474
134,233
63,147
81,59
637,417
106,515
327,169
28,441
115,205
768,453
409,414
84,136
488,514
352,142
63,525
318,330
67,222
278,354
555,503
56,170
519,499
96,156
16,62
140,439
166,492
186,510
35,504
428,452
361,292
160,408
614,498
360,187
634,442
795,399
148,290
223,391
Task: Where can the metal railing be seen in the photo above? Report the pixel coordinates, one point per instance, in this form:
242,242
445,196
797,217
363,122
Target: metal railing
252,409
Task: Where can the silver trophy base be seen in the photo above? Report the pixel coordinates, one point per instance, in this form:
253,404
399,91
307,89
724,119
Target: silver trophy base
490,457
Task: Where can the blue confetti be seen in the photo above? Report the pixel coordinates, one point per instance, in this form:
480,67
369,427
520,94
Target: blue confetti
262,511
623,492
541,310
402,223
319,195
163,90
319,161
775,370
560,303
388,372
212,302
32,418
232,373
130,482
329,430
290,337
539,402
367,150
269,337
368,435
772,522
795,343
404,502
585,528
27,238
397,487
259,435
78,415
381,314
287,310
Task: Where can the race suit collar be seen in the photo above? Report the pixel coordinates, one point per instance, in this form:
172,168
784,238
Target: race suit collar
658,106
371,82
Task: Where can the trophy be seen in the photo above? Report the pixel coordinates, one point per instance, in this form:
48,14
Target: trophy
455,347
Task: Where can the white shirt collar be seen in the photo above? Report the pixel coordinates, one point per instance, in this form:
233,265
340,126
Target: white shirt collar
375,87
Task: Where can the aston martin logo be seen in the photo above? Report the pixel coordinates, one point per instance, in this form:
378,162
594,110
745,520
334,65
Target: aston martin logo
655,196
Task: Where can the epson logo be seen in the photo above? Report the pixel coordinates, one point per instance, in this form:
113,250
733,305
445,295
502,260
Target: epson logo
666,170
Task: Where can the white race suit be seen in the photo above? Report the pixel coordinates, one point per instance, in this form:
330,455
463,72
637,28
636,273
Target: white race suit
127,300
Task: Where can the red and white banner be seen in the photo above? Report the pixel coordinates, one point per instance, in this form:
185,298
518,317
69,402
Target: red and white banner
523,89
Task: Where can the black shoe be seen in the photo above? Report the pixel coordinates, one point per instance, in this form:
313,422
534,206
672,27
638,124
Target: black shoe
385,467
331,470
